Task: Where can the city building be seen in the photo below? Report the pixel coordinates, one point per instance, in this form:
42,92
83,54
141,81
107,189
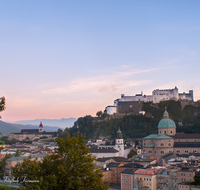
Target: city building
167,140
31,134
117,150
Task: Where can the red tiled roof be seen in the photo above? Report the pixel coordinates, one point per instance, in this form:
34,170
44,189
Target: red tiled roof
145,172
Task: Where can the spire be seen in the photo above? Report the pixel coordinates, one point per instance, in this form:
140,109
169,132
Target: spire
119,134
165,114
41,125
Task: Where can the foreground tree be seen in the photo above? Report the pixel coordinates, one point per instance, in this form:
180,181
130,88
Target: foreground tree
3,164
71,167
2,104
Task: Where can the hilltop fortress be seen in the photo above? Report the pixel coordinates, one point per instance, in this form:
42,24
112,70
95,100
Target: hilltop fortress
128,104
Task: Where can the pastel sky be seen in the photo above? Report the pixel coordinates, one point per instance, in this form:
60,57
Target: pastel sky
63,58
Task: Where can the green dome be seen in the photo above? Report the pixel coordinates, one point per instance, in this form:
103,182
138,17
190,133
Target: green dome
166,123
119,131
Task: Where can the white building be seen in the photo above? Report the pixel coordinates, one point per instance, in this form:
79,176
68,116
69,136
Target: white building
117,150
156,97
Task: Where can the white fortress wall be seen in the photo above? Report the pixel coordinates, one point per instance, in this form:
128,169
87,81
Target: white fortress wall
111,110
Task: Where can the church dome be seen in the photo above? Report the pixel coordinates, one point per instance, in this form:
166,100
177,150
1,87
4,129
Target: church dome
166,122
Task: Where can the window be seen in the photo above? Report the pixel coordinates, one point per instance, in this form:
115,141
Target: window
122,181
160,132
149,179
155,151
162,152
165,132
186,151
161,144
169,144
129,182
144,179
150,151
171,132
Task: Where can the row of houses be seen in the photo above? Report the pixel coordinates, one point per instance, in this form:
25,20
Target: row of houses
145,173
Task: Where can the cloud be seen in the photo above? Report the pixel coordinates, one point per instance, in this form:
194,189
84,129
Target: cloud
104,83
109,88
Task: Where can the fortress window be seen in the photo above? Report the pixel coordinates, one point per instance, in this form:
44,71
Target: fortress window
165,132
171,132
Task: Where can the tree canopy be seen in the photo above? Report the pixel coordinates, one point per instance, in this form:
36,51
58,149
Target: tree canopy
70,167
2,104
132,153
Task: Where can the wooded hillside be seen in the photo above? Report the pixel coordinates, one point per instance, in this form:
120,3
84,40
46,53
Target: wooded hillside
133,126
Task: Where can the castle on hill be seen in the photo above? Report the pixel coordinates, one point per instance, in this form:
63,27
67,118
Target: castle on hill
127,104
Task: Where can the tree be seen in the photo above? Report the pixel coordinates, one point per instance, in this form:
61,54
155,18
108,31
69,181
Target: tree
2,104
17,154
2,165
70,167
132,153
99,113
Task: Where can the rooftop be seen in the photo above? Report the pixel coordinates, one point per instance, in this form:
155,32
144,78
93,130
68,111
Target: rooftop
145,172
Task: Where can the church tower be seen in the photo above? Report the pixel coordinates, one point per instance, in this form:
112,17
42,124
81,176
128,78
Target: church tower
119,143
40,127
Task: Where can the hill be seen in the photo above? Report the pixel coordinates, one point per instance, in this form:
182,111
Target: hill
134,126
62,123
7,128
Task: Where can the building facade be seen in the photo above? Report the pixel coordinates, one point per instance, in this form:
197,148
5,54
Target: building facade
167,140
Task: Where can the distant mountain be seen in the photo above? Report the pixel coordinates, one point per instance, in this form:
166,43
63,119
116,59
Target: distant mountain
7,128
61,123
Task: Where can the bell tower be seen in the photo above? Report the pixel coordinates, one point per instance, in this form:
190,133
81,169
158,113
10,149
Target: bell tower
40,127
119,143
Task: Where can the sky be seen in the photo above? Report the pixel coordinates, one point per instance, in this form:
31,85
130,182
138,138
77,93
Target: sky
62,59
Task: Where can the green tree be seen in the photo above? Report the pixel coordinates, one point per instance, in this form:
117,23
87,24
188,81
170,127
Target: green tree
2,104
132,153
99,113
71,167
2,165
17,154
